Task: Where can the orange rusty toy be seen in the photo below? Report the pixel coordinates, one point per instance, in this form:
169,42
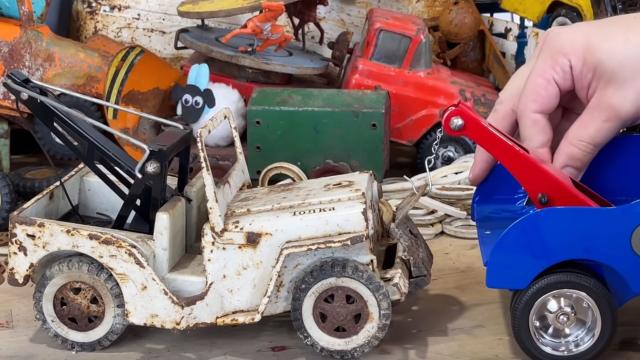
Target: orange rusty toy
101,67
263,26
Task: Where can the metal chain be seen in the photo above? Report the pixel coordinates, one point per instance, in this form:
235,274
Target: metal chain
430,160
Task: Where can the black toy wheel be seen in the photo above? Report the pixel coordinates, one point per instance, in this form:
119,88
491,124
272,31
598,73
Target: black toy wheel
50,143
31,180
80,304
341,309
450,149
7,201
564,15
563,316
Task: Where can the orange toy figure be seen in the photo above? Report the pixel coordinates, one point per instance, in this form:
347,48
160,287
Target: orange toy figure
263,26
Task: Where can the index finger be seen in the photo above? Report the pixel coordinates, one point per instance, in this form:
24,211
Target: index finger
550,78
502,116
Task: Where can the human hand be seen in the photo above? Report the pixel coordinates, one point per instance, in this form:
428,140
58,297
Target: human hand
577,92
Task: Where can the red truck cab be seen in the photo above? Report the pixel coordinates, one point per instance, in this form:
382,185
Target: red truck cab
395,55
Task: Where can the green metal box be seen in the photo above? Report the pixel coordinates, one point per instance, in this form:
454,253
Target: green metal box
322,131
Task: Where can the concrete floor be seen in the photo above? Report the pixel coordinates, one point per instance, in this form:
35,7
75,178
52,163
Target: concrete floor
456,318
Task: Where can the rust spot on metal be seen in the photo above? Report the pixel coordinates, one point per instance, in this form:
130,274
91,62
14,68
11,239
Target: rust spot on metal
199,325
192,300
106,240
11,280
21,247
339,185
254,238
25,221
356,239
94,237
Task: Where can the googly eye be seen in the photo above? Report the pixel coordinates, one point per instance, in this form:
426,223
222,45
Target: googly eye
198,102
187,100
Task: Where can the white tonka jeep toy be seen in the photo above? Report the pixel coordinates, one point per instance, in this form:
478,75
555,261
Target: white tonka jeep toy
328,250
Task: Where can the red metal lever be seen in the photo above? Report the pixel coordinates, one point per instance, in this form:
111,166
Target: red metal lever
545,185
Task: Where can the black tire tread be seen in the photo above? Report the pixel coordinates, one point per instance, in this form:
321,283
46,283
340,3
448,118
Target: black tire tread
341,268
523,302
91,267
424,145
7,202
30,187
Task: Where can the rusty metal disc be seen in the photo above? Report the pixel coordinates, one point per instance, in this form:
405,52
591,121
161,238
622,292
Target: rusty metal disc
79,306
211,9
340,48
340,312
460,21
292,60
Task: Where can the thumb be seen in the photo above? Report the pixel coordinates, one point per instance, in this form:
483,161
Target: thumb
593,129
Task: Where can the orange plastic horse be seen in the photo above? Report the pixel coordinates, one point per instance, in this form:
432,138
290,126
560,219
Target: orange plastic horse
263,26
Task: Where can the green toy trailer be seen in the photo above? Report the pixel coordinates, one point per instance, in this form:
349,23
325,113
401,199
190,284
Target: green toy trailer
324,132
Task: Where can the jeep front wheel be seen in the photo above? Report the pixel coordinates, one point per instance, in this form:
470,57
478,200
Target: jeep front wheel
341,308
80,304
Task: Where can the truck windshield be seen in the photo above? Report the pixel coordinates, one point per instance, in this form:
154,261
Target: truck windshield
391,48
422,57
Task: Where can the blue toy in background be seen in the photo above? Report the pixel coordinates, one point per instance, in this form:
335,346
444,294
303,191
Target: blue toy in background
569,268
9,8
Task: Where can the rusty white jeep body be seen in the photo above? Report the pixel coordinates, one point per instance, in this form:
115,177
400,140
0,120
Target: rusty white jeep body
222,254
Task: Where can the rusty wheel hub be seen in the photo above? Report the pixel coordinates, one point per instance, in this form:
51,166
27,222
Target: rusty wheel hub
79,306
340,312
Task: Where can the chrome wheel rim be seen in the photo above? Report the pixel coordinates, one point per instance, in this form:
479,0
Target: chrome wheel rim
565,322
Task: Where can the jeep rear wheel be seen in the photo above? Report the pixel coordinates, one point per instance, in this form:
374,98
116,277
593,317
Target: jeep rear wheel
80,304
341,309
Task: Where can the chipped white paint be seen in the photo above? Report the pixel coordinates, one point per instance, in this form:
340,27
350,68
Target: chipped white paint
153,23
256,243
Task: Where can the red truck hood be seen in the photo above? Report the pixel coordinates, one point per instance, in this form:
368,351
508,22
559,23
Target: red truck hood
474,90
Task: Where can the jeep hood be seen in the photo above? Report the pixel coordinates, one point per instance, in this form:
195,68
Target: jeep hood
316,208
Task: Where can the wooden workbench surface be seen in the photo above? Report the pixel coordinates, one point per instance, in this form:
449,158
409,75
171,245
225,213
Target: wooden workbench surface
457,318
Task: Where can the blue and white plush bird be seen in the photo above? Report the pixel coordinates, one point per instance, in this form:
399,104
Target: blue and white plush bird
201,99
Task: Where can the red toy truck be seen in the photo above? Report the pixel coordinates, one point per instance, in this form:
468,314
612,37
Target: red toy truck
395,55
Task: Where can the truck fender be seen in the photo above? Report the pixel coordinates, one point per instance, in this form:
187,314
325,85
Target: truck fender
598,238
411,130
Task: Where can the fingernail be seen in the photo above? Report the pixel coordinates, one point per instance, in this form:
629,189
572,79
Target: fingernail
571,171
